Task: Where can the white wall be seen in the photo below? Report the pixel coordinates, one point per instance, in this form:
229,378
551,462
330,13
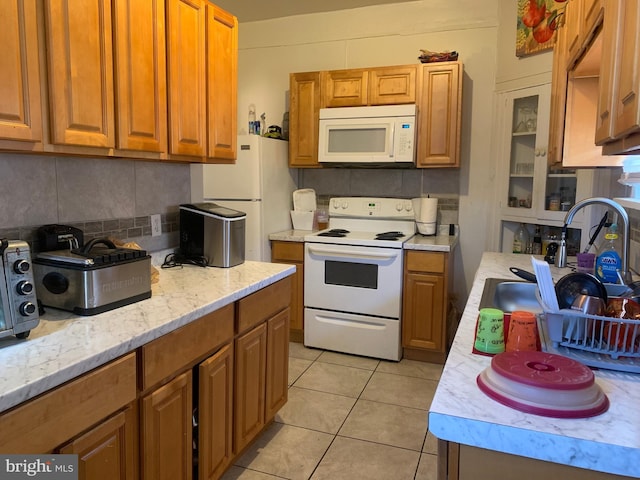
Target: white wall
390,35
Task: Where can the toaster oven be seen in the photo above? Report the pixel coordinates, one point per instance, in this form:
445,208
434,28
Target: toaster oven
18,303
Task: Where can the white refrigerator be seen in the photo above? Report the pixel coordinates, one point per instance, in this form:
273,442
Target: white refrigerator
260,184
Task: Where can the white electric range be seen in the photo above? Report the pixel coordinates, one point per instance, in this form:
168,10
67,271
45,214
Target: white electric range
353,277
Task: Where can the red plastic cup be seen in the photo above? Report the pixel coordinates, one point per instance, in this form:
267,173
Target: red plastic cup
523,332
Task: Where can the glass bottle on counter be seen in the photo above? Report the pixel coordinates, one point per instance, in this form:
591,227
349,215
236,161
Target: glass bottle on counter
521,239
536,245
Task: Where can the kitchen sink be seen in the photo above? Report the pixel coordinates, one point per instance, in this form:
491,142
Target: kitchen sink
510,295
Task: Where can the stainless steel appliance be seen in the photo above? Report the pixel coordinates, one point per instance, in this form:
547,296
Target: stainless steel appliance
353,277
259,183
383,134
212,234
18,303
93,279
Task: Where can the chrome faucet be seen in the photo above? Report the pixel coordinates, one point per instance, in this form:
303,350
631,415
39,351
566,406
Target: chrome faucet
625,274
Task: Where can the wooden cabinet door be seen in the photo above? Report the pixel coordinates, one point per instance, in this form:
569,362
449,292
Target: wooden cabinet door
277,386
424,311
392,85
626,109
186,70
79,47
215,406
222,83
140,75
292,253
304,112
558,98
166,431
20,109
440,115
108,451
573,23
345,88
607,86
592,16
249,394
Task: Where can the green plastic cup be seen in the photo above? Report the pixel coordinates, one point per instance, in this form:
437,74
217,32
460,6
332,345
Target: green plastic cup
490,332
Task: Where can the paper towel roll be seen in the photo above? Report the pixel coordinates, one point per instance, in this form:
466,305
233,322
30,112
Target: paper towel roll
428,210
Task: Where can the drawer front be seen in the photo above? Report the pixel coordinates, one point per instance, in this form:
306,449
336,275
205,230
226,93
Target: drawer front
288,251
174,351
42,424
263,304
425,262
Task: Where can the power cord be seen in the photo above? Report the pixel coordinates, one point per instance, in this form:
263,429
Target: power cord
173,260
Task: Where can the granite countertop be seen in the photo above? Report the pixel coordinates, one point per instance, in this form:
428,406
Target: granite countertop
435,243
64,346
461,413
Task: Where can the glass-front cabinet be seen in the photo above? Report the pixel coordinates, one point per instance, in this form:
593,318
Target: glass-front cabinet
531,189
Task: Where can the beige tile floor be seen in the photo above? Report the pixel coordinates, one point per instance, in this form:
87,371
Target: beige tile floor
347,417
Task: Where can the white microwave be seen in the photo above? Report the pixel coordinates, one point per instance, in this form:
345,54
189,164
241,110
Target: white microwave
368,135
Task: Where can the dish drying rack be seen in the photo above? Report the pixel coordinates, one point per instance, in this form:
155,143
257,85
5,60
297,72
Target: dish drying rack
603,342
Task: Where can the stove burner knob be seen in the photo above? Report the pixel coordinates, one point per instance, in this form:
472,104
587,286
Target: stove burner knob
408,206
21,266
336,204
24,287
27,308
399,207
345,204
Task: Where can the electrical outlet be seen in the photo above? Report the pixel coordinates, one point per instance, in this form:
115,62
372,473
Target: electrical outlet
156,225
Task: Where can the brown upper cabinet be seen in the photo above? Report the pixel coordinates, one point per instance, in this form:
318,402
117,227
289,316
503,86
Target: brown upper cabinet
345,88
140,75
202,50
186,43
439,115
153,80
304,115
558,98
392,85
79,47
20,109
580,106
624,85
595,94
436,88
372,86
222,83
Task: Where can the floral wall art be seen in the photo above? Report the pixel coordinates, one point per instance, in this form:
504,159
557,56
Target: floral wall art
538,21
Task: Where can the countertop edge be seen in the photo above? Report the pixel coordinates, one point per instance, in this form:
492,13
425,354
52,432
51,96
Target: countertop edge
561,449
433,243
461,413
41,374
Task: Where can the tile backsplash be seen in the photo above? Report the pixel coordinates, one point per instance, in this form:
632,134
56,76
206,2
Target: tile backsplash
401,183
116,197
102,197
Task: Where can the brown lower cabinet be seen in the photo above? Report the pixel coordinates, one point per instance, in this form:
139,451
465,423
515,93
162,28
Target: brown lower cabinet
427,282
215,401
108,450
292,253
166,430
462,462
180,407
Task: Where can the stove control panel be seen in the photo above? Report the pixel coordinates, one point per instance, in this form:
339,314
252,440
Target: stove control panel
363,207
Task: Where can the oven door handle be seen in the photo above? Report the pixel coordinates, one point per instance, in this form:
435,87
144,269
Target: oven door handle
353,254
